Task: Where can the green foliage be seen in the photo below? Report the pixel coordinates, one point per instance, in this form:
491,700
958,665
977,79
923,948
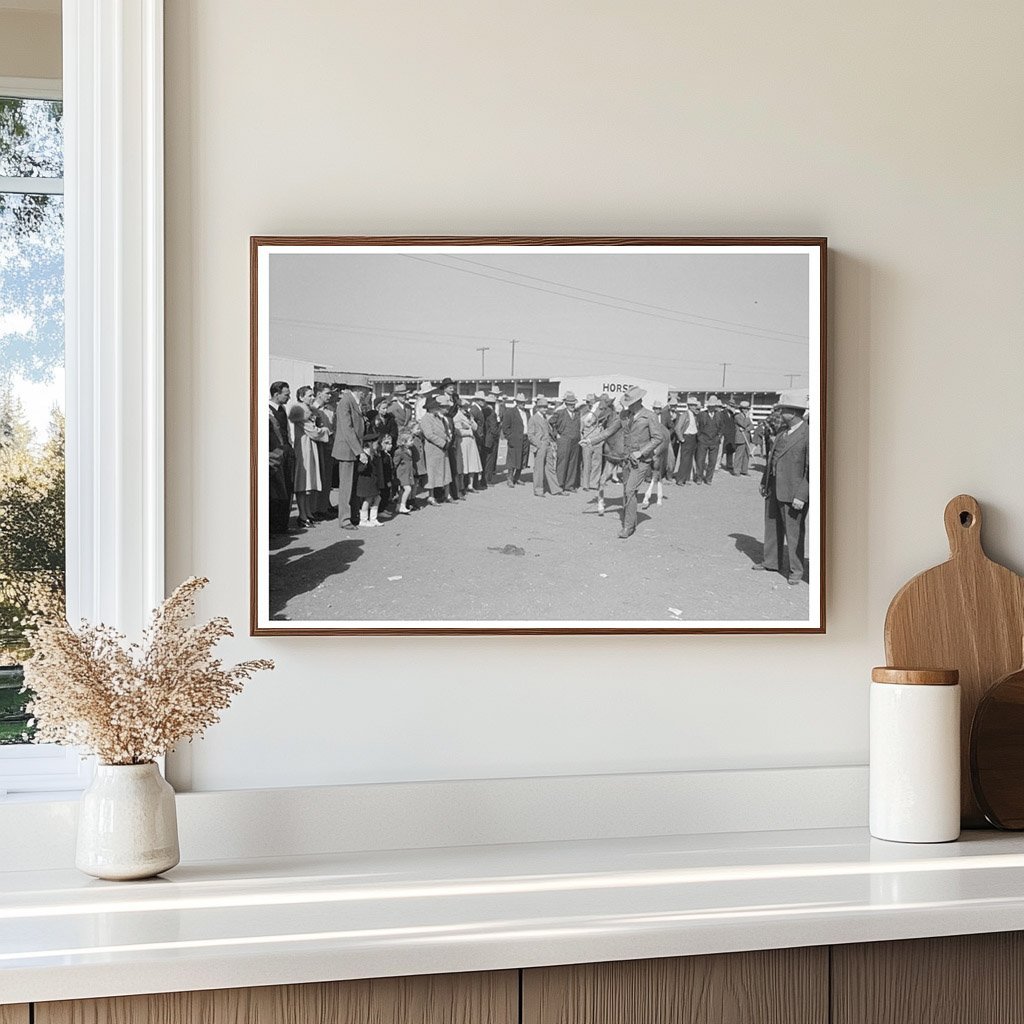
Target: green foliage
31,525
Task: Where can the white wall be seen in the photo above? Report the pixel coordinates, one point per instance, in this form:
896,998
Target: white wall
892,128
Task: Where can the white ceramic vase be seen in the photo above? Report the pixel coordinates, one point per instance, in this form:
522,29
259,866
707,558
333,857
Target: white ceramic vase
127,825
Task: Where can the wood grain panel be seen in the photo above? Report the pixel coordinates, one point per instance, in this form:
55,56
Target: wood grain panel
14,1014
967,614
481,998
963,979
779,986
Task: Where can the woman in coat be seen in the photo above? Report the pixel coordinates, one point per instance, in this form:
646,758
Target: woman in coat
471,464
307,454
435,451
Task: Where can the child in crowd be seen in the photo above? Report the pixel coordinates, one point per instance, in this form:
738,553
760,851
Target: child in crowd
388,490
405,469
370,481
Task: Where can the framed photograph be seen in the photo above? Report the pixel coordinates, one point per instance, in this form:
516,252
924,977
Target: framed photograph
537,435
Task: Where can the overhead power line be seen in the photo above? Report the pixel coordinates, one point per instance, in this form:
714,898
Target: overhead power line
608,305
635,302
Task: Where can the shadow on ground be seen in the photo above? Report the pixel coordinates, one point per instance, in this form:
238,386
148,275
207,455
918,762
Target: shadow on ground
749,546
298,570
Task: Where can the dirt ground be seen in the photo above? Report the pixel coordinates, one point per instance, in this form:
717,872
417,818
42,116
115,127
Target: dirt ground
689,559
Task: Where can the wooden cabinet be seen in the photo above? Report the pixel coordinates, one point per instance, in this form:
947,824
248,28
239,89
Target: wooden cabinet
971,979
491,998
779,986
963,979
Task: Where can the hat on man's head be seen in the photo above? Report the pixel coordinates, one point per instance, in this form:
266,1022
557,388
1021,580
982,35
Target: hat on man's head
712,399
400,390
426,388
541,401
491,398
569,397
657,405
794,400
480,397
693,400
446,382
520,397
633,395
443,400
354,380
744,404
591,397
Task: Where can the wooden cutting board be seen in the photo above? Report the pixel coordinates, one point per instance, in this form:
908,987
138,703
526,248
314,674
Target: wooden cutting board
967,614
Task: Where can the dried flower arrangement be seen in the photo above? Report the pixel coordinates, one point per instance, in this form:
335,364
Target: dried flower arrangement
128,704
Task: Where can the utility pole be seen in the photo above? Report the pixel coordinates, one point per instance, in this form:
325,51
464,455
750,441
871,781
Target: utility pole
512,372
724,366
486,348
792,377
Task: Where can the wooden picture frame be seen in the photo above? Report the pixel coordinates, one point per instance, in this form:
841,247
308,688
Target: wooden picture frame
750,309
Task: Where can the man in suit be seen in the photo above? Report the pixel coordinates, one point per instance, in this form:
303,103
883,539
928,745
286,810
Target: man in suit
489,439
280,506
710,424
348,446
565,426
786,490
728,435
399,407
741,454
280,394
542,441
476,406
514,428
686,433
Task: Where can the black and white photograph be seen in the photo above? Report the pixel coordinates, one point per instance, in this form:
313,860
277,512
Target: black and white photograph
537,435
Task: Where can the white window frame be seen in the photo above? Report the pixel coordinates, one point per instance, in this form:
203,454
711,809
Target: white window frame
114,335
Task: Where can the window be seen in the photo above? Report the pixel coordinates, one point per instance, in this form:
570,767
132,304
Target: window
32,549
113,330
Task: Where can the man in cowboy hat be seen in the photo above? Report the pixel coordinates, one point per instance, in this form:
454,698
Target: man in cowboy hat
476,407
786,489
543,444
742,440
514,428
686,433
399,406
489,438
565,426
710,425
642,436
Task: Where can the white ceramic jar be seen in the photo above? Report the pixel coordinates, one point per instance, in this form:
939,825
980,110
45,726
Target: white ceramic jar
915,755
127,823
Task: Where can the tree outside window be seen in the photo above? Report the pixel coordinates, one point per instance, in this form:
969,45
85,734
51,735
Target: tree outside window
31,386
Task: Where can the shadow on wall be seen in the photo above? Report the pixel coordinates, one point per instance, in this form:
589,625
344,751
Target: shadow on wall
295,571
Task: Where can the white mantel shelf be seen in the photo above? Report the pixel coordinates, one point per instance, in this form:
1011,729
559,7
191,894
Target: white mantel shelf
227,924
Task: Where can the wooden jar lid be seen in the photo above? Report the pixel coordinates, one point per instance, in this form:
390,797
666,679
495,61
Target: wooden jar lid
916,676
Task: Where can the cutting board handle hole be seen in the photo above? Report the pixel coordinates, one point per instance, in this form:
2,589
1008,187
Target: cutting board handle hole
966,519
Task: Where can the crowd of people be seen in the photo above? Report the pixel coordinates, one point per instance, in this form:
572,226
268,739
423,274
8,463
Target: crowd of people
415,448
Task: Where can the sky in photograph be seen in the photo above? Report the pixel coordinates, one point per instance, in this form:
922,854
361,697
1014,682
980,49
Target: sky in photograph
673,317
